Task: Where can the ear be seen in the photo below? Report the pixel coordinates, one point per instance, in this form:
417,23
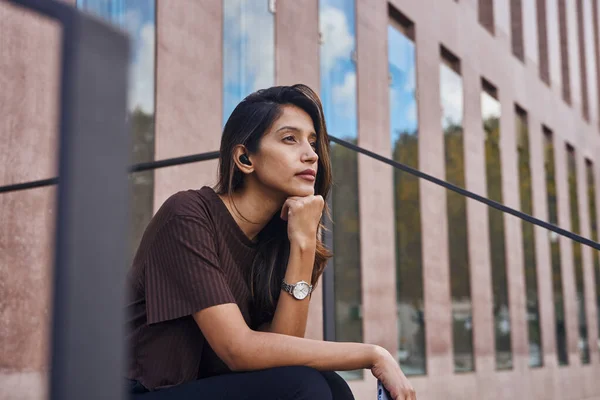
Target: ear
237,152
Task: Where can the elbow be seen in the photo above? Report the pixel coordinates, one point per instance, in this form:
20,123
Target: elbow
236,353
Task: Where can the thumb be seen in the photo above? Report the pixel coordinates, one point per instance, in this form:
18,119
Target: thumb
284,211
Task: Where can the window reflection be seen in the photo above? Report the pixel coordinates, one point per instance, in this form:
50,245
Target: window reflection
451,93
591,193
338,94
405,148
529,256
248,50
138,18
583,346
559,308
490,109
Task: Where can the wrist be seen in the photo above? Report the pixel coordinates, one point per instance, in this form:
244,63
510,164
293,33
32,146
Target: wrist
376,354
305,245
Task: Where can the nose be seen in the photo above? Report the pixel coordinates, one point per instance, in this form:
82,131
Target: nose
310,155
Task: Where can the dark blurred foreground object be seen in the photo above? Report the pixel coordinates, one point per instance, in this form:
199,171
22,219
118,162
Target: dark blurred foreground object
91,229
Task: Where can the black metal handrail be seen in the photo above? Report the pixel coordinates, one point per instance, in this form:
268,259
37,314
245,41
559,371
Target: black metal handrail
146,166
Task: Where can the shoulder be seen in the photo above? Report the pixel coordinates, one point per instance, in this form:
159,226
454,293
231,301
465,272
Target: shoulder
193,203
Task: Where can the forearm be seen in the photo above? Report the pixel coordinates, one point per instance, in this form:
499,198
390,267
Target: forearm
262,350
290,314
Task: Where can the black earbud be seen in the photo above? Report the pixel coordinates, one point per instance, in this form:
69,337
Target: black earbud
244,160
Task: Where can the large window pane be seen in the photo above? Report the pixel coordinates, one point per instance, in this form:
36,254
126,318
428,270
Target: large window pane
591,193
584,350
490,109
338,94
138,18
248,50
559,308
529,258
405,147
451,93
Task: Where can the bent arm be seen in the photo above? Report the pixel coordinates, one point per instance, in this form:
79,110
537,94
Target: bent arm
291,314
243,349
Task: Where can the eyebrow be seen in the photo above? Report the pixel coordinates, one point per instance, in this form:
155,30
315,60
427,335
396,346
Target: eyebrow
293,128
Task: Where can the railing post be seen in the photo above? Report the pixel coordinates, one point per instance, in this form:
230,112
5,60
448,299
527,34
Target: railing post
88,321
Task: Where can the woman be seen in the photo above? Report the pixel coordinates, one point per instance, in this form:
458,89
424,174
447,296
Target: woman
222,278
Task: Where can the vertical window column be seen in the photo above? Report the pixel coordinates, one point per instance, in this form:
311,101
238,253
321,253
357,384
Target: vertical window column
593,212
554,42
138,18
490,108
529,257
404,135
530,31
248,50
584,350
596,44
557,287
451,98
338,94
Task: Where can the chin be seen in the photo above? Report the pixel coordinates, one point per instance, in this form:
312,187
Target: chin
301,191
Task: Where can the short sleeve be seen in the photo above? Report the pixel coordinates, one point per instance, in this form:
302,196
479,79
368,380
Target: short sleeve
182,274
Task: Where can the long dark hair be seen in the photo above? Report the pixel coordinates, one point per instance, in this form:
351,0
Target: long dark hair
246,126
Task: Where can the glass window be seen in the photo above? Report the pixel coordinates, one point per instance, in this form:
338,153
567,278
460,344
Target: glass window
591,193
529,257
559,308
451,97
405,148
584,350
490,109
516,23
338,94
138,18
248,50
486,14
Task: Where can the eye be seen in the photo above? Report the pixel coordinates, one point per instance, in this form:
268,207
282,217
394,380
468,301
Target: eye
289,138
314,145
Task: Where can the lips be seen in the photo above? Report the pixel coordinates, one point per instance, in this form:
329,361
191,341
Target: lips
307,174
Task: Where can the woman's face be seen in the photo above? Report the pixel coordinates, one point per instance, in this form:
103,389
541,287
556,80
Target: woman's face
286,160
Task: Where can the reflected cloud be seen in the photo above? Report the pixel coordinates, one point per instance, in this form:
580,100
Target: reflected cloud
248,50
137,18
403,103
344,95
141,89
338,40
338,70
490,107
451,91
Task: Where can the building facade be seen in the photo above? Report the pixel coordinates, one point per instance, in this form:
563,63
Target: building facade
499,97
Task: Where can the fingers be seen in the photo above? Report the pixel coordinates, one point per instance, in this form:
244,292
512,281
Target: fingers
285,210
292,202
406,392
409,393
413,394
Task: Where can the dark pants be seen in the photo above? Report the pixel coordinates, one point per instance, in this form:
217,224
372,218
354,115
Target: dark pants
284,383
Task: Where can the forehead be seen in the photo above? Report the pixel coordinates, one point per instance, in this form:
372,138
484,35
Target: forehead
294,117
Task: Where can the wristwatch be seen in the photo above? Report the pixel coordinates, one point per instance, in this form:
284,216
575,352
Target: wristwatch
300,290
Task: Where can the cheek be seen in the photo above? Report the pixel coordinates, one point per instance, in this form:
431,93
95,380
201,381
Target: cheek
274,169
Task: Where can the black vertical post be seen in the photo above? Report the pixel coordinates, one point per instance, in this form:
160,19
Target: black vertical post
92,227
329,283
92,224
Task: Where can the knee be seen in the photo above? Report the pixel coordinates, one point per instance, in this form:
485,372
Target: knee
300,383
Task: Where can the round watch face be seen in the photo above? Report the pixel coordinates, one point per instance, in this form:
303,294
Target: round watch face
301,290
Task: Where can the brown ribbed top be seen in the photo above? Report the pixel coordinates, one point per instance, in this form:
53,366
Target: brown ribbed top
193,255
